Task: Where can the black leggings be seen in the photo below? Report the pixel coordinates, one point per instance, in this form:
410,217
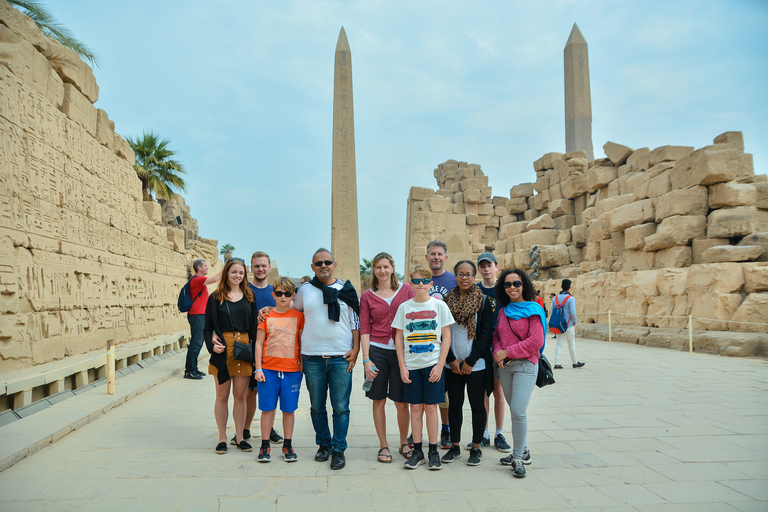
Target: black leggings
475,384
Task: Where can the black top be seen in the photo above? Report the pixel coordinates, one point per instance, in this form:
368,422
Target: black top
481,345
239,320
244,316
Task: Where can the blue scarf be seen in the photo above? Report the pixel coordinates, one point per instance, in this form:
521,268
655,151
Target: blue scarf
518,310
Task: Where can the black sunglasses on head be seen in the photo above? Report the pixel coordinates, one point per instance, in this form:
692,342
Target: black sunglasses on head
516,284
320,263
282,294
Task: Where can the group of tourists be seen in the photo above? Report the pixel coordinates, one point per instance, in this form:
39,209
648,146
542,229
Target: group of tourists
426,345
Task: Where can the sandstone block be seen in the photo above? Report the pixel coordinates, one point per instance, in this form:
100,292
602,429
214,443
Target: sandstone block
755,277
714,278
548,159
659,185
724,253
154,211
473,219
500,211
564,237
459,208
625,169
638,184
699,245
507,219
638,260
539,237
565,222
762,195
473,196
600,177
732,194
22,26
734,138
499,201
472,184
639,160
757,239
555,191
674,257
522,259
576,254
420,193
606,249
677,230
517,205
105,129
712,311
538,165
753,312
617,153
77,107
529,215
521,190
538,202
626,216
542,183
176,237
578,235
512,229
574,185
689,201
485,209
23,60
554,256
541,222
739,221
73,70
667,153
560,207
600,228
634,237
710,165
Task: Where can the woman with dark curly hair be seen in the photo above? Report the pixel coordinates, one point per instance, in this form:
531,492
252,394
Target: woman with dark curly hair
231,314
469,361
517,344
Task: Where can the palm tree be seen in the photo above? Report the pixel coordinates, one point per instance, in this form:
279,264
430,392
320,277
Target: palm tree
365,274
158,172
50,26
226,251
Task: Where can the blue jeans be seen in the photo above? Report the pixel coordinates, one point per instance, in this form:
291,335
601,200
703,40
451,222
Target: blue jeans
323,375
196,325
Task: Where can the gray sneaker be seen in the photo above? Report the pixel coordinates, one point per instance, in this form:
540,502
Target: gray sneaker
518,470
475,456
486,442
416,460
501,444
452,454
434,461
527,457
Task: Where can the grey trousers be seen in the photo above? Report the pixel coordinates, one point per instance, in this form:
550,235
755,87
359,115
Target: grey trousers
518,379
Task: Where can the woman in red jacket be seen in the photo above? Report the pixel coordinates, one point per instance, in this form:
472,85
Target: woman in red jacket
378,306
517,344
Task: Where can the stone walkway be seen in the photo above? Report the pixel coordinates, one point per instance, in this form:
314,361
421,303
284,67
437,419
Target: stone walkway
638,428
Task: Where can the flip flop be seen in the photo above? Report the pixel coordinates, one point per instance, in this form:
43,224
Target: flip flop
385,458
405,454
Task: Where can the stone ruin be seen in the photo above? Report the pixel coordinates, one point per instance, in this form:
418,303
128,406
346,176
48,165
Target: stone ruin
652,235
82,257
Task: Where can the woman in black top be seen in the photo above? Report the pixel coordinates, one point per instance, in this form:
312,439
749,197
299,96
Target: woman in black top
231,314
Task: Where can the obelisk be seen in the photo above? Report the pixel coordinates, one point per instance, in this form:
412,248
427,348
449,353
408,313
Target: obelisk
578,100
344,242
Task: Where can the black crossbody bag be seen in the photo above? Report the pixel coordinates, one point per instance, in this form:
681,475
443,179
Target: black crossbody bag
545,376
242,351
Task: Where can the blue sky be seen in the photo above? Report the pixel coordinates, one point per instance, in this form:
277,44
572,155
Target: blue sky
244,90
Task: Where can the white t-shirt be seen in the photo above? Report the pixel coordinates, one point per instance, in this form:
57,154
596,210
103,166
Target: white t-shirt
461,346
421,323
322,336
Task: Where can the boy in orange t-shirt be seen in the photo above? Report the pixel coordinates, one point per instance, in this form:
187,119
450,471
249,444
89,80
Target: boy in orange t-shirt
278,366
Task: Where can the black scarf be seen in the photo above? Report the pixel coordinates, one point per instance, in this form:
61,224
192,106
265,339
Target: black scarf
331,296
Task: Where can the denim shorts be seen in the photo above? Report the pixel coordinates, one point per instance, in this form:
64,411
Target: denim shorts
421,391
283,385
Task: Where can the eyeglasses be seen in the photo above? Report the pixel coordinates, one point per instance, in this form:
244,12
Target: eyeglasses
462,275
320,263
516,284
421,281
282,294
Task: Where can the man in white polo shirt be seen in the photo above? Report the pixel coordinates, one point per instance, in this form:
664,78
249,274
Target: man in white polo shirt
329,346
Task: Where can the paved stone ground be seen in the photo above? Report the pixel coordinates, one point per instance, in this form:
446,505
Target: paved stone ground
638,428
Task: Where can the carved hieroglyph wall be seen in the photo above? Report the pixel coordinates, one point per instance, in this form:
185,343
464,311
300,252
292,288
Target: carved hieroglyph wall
82,257
653,235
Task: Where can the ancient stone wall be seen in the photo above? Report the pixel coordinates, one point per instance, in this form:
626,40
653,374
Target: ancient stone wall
82,257
653,235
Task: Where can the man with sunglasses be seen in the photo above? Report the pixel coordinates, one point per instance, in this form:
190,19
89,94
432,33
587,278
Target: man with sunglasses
329,346
196,316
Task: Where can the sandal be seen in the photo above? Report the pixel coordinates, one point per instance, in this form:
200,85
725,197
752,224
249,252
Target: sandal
385,458
403,452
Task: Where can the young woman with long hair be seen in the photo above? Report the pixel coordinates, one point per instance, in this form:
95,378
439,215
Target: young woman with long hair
231,314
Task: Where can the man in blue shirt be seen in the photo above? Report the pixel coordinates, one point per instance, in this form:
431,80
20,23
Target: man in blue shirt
568,303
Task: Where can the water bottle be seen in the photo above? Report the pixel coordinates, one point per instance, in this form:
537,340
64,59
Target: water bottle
368,384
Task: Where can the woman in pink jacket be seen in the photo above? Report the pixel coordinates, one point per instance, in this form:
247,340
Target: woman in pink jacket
517,344
378,306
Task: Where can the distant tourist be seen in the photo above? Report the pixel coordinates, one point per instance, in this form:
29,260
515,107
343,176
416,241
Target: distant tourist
517,344
329,346
196,316
469,360
278,367
305,280
422,341
488,267
378,306
442,282
566,301
231,313
540,301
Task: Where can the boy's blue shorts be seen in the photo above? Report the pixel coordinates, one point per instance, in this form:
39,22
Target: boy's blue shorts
283,385
420,390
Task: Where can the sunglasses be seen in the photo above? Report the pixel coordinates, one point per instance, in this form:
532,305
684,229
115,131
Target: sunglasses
421,281
516,284
282,294
241,260
327,263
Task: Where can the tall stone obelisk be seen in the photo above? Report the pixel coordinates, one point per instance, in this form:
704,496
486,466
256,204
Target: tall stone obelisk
578,100
344,241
